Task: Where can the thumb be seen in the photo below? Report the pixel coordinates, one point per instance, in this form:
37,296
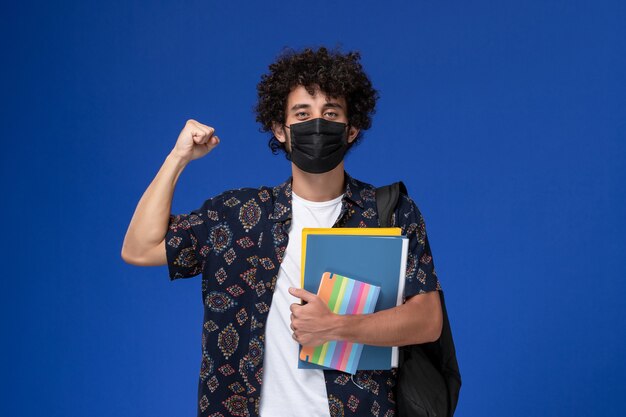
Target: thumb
213,141
302,293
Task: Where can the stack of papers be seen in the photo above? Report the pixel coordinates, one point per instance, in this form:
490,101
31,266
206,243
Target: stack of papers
369,257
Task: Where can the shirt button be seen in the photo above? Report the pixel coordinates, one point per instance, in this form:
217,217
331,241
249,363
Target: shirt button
251,399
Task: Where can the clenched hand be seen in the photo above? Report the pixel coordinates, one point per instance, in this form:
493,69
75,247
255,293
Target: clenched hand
195,141
313,324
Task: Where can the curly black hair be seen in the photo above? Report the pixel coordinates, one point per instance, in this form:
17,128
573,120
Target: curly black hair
334,73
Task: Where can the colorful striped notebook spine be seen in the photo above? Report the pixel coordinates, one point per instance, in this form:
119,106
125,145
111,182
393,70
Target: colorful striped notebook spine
343,296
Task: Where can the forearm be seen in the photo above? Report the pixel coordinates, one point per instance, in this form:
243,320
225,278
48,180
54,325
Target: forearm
409,323
149,223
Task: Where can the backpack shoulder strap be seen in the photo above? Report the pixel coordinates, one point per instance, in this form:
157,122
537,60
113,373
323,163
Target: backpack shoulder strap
421,366
386,201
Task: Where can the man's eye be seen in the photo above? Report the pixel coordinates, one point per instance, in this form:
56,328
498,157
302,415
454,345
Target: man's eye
301,114
331,114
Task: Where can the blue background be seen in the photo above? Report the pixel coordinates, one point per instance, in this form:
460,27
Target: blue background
505,119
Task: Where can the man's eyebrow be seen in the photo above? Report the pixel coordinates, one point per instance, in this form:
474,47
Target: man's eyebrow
300,106
333,105
330,105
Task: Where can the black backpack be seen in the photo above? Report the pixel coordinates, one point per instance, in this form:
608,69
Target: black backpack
429,379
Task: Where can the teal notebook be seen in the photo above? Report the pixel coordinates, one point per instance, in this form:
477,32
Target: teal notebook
377,260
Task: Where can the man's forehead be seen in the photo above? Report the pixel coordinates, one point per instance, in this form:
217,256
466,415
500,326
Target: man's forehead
306,95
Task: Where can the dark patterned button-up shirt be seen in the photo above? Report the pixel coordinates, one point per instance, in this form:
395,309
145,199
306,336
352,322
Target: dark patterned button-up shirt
237,240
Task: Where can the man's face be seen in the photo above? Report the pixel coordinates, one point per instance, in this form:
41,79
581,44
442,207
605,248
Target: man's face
302,106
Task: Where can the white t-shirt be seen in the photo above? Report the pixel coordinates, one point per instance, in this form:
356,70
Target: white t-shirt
287,391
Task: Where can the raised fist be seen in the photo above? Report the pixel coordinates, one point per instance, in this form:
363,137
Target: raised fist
195,141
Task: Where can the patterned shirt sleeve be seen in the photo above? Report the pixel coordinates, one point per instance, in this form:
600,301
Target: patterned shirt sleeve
420,271
186,241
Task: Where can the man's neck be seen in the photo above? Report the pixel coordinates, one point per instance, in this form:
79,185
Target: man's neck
318,187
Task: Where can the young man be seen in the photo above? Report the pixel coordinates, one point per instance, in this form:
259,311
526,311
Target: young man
247,244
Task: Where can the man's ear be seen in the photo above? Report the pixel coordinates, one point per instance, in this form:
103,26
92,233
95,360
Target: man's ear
352,133
279,132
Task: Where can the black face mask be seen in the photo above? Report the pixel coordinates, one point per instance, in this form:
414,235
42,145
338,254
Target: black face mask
318,145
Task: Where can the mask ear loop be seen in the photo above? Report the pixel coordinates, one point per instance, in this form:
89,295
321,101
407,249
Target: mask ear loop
348,126
355,383
287,152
